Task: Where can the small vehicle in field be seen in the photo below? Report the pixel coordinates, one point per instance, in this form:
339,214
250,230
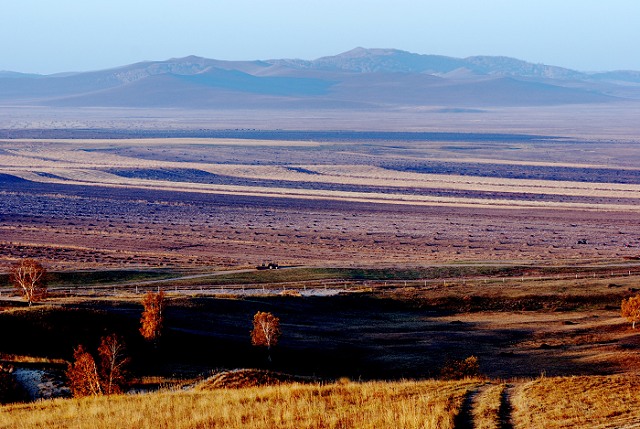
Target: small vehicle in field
269,266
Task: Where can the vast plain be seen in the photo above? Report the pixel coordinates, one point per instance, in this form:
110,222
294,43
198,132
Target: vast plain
413,239
234,197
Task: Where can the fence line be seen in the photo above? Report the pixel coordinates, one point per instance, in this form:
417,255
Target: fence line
327,285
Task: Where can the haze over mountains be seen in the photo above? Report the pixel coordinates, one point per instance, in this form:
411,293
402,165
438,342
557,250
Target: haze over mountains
360,78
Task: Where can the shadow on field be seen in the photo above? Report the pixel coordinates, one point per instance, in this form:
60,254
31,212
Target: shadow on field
360,337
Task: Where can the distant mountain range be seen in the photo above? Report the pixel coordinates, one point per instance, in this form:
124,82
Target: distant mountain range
360,78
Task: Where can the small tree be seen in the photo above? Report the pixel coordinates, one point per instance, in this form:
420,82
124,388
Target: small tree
82,374
28,277
266,331
86,378
630,309
112,362
152,316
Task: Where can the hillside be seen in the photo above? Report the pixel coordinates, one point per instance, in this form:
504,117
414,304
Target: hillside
591,402
360,78
429,404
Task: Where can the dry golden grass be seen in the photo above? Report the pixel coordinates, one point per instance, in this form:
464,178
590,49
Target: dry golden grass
427,404
13,358
487,407
578,403
243,378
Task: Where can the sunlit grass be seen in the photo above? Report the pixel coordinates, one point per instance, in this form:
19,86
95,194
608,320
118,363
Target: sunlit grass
578,402
427,404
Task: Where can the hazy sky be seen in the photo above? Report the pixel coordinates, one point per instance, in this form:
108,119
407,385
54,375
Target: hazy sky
48,36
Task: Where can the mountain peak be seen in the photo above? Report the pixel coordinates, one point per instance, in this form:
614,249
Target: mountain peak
360,52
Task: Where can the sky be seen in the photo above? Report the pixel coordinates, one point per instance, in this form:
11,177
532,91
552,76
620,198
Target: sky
51,36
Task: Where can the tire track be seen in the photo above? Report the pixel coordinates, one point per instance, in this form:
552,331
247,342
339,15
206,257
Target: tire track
504,413
464,419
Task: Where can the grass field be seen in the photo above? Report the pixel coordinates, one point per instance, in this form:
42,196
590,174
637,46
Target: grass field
578,402
429,404
544,403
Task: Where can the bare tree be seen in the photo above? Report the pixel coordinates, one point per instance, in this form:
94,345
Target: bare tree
82,374
266,331
28,277
113,360
152,316
630,309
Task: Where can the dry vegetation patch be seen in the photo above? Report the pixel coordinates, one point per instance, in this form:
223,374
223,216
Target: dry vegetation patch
242,378
578,402
427,404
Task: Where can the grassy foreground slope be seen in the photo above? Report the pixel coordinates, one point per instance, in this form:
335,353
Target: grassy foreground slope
426,404
595,402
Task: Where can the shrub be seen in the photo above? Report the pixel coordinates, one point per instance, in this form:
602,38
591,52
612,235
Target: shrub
459,369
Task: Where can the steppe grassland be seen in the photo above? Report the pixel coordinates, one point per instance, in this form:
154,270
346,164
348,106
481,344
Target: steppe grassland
578,402
545,403
426,404
73,165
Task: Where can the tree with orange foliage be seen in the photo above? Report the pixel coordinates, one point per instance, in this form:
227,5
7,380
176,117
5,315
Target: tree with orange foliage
86,378
630,309
112,362
82,374
152,316
266,331
28,277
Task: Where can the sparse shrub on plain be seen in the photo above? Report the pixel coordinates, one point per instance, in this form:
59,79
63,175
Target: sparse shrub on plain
630,309
459,369
28,276
152,316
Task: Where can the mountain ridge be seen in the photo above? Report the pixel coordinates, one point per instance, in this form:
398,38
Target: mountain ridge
374,78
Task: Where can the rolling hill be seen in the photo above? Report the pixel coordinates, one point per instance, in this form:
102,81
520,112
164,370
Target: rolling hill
360,78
